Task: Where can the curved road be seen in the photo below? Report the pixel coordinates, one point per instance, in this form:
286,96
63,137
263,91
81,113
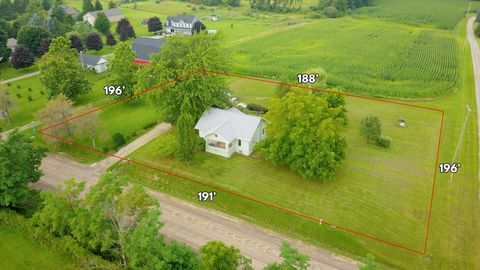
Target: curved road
476,67
190,223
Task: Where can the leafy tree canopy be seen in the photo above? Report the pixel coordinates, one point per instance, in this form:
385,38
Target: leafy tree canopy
61,72
303,131
102,24
31,36
215,255
292,259
22,58
19,166
123,69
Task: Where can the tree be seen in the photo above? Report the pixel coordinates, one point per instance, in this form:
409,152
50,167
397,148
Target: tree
118,140
154,24
111,40
186,137
61,72
233,3
478,16
124,29
179,257
368,263
94,42
303,132
82,30
56,111
102,24
19,166
46,4
87,6
292,259
44,45
111,4
198,26
122,69
87,125
477,30
77,43
30,37
4,50
215,255
22,58
20,6
5,103
371,128
98,5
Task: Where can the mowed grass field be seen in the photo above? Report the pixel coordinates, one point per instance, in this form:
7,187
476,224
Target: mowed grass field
22,252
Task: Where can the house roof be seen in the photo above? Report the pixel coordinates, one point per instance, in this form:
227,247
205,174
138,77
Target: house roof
144,46
183,17
229,124
11,42
109,12
68,10
90,60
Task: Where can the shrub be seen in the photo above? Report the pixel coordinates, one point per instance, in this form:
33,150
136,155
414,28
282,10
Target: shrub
19,95
118,140
256,108
105,149
30,98
168,145
9,84
42,93
477,31
384,142
18,86
149,125
29,89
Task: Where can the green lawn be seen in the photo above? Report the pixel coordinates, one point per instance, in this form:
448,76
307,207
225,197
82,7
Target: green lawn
24,110
22,252
8,72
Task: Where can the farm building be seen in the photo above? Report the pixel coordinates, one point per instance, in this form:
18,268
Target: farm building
12,44
67,10
113,15
144,47
182,24
228,131
97,63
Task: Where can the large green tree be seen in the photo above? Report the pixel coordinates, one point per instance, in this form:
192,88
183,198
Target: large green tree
30,37
123,69
303,131
19,166
215,255
292,259
4,50
61,72
102,24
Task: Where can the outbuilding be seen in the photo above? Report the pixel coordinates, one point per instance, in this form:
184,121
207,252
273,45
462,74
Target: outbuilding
97,63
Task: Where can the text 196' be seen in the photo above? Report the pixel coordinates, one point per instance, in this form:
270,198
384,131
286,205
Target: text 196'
307,78
449,168
111,90
204,196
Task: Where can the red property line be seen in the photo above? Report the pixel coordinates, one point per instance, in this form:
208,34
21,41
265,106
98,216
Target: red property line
42,131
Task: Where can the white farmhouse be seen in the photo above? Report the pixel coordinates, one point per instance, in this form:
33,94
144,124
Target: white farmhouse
97,63
113,15
228,131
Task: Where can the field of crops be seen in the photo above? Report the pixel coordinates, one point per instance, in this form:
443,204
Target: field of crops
444,14
362,56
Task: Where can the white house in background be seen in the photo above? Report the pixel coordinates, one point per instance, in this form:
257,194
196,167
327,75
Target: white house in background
97,63
12,44
228,131
182,24
113,15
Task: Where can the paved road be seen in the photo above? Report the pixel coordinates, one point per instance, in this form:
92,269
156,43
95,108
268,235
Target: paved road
192,224
476,67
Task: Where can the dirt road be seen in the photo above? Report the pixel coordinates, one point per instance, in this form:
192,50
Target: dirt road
192,224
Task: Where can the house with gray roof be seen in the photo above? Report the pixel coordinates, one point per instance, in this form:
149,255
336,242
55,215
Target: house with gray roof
113,15
230,131
97,63
182,24
146,46
67,10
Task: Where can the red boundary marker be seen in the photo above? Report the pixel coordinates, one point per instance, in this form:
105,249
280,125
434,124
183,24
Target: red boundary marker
421,252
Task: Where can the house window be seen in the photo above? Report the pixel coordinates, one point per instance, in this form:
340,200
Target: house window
217,144
239,143
263,131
